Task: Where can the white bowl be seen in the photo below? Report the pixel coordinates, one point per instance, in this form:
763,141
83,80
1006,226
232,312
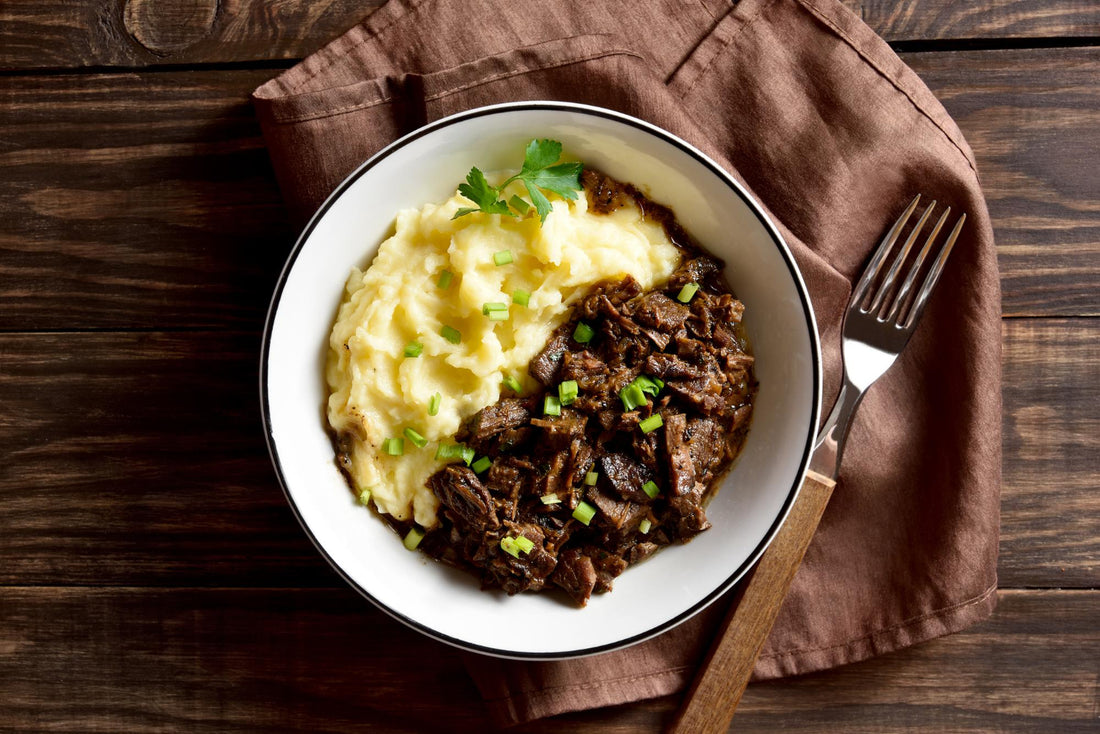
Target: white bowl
448,604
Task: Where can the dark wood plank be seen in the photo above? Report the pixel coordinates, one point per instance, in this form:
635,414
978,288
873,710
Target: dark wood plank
233,660
1050,512
1030,667
148,198
81,33
221,661
138,459
136,201
934,20
1033,120
64,34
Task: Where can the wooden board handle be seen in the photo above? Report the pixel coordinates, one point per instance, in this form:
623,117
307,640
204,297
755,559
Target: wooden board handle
720,681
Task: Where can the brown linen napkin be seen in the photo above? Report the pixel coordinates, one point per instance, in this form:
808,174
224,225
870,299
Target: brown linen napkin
833,133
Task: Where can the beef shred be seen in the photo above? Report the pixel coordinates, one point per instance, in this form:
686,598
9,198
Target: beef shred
693,352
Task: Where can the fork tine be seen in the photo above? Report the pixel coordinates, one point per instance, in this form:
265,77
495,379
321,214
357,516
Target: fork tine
892,273
875,265
933,275
907,284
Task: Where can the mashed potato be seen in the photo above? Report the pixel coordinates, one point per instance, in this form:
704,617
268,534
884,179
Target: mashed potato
377,392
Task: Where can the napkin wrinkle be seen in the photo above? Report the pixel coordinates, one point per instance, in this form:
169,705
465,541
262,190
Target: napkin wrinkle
885,632
347,98
722,36
388,15
550,690
840,20
445,37
543,56
536,57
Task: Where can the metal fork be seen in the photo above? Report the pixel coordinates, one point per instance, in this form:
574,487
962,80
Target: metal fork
879,322
880,319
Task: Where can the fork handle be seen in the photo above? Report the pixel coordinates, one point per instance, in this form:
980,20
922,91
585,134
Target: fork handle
721,680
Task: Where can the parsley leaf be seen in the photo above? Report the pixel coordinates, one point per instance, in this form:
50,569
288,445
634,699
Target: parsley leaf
542,204
540,154
563,179
541,173
478,190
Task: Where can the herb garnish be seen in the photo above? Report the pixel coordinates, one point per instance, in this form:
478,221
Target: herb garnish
541,172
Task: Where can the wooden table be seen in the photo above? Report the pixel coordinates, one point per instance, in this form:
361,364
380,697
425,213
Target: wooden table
153,576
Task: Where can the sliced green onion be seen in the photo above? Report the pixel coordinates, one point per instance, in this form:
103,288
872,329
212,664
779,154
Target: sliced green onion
498,315
482,464
659,383
583,333
512,384
416,438
687,292
651,489
413,538
487,308
550,499
524,544
652,423
591,478
414,349
519,204
445,279
364,497
394,446
454,451
644,525
551,406
632,396
567,392
521,297
508,545
503,257
584,512
451,334
433,404
647,385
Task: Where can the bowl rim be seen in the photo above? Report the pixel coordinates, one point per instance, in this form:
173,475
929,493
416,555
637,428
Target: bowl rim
748,199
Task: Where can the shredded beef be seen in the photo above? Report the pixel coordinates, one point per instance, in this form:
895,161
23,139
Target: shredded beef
693,356
465,496
576,574
545,364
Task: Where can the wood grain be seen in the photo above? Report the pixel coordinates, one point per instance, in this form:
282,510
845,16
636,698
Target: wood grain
720,682
1050,511
1033,120
230,660
1031,667
134,33
140,458
162,477
148,198
1002,19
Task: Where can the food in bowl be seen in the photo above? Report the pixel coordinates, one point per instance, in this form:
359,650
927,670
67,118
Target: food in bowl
417,347
540,399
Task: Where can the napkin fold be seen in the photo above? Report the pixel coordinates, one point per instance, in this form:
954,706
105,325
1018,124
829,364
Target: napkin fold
810,109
